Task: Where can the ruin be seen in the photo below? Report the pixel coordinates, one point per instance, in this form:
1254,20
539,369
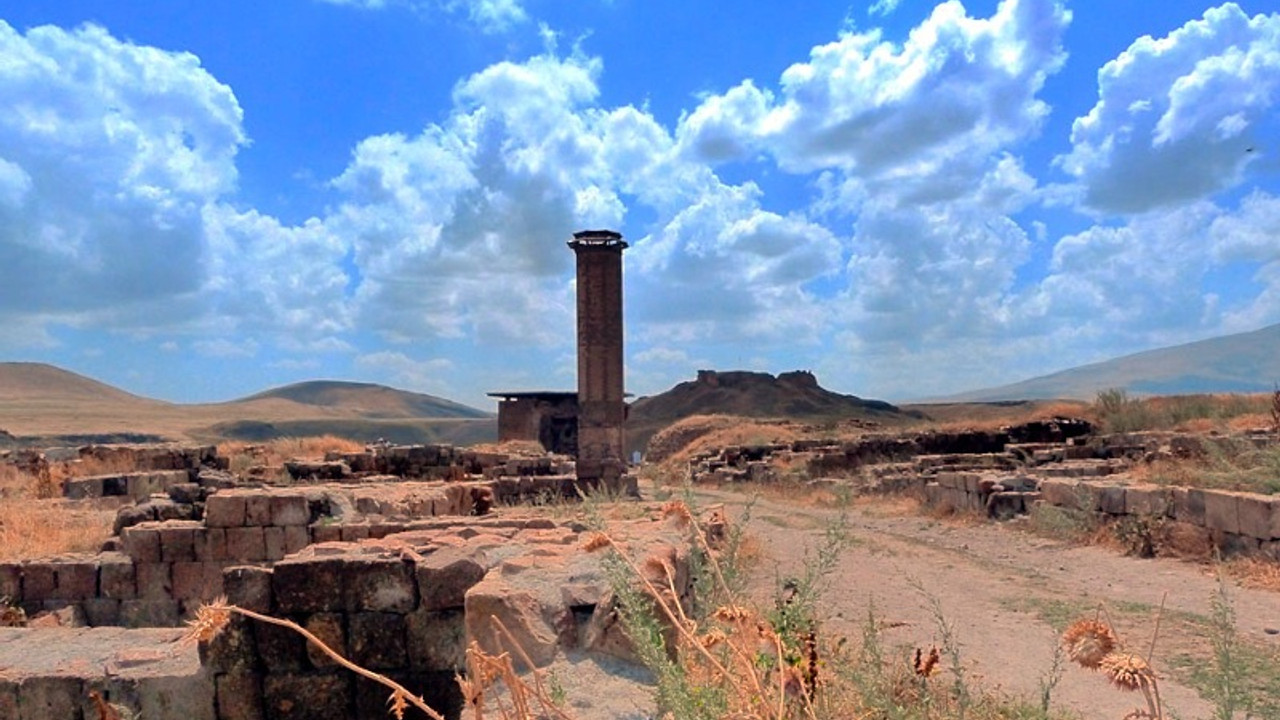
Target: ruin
549,418
602,408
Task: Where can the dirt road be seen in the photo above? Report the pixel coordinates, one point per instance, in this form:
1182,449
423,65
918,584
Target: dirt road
1003,590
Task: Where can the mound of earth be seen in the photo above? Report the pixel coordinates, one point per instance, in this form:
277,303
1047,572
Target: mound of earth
369,400
793,395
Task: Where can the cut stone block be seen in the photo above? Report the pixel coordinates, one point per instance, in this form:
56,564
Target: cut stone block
377,640
1222,511
1255,513
306,697
289,510
378,585
246,544
224,510
308,585
75,580
248,587
142,542
1148,500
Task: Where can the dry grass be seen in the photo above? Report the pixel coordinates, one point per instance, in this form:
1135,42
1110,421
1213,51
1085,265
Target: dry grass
1253,572
274,453
33,527
518,448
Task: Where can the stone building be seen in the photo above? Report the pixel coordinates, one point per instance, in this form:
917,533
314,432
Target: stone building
546,417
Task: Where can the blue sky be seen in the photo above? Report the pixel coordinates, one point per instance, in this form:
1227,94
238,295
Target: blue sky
201,200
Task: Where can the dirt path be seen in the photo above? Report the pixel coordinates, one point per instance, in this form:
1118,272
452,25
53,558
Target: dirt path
1001,589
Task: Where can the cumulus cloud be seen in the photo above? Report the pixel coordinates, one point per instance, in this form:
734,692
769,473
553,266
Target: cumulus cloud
402,371
1177,118
490,16
108,153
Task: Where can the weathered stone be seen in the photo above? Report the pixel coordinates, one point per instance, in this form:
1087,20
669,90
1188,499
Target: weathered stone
116,577
155,580
1255,513
75,580
1188,505
1148,500
378,585
377,640
224,510
239,697
1222,511
38,582
257,510
280,649
47,698
437,640
233,650
307,697
149,613
142,543
329,628
296,537
177,542
287,510
307,585
8,699
188,580
11,581
211,544
249,587
246,544
522,614
1111,499
445,575
273,543
101,612
186,493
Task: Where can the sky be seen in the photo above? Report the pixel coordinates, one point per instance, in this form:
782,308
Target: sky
201,200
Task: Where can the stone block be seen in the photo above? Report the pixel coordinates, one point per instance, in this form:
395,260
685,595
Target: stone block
185,697
49,697
437,640
1005,505
11,581
1188,505
188,580
329,627
296,537
520,611
149,613
246,544
289,510
239,697
1255,513
38,582
212,581
101,612
249,587
1061,492
295,696
1148,500
177,542
1231,544
83,488
1222,511
1111,499
211,544
273,541
224,510
155,580
76,580
8,699
257,510
233,650
351,532
117,578
445,576
378,585
280,649
326,532
377,640
308,585
142,543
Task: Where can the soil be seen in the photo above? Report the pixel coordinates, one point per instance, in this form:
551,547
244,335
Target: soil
1002,590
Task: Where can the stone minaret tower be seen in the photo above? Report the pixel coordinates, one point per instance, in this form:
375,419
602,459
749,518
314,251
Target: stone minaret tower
601,408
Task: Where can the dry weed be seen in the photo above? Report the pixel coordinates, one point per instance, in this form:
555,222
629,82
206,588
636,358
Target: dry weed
32,528
1254,572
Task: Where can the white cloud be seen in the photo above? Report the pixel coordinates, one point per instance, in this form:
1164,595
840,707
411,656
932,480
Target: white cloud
1177,117
490,16
402,371
108,152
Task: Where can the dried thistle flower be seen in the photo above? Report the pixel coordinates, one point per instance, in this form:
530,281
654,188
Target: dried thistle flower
712,638
595,541
926,665
731,614
398,704
1089,641
678,510
210,619
1127,671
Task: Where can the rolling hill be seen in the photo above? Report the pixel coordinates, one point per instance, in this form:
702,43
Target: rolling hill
1244,362
44,404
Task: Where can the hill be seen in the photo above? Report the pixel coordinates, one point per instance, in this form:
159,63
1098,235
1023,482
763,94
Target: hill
1244,362
793,395
369,400
45,405
29,381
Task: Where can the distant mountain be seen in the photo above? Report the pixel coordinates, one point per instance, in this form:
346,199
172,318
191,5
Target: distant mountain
369,401
793,395
30,381
44,405
1244,363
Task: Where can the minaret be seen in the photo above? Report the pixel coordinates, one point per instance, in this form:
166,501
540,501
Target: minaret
602,409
